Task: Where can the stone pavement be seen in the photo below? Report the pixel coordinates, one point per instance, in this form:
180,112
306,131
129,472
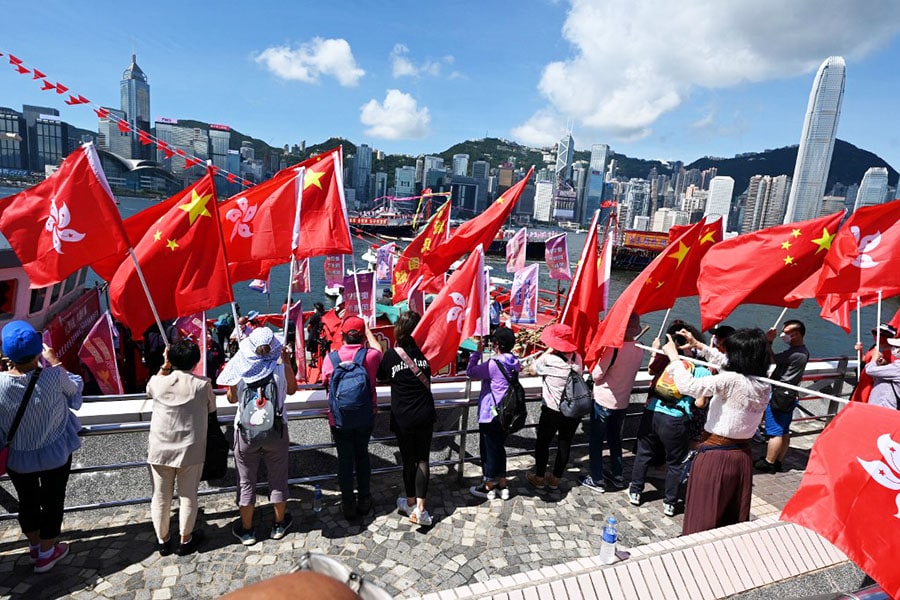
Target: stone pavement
113,551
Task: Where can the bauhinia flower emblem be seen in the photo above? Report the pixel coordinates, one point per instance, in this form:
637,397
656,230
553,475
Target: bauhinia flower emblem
459,312
886,473
242,216
57,223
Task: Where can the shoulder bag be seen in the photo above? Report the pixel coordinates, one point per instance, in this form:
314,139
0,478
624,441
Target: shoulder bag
413,367
29,389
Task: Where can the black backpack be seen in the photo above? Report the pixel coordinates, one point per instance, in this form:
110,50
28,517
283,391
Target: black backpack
511,409
577,400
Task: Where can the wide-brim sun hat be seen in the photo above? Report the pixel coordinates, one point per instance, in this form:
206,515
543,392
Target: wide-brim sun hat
21,342
558,337
887,330
246,364
893,341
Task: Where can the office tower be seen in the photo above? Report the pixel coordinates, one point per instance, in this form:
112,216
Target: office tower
481,169
461,164
817,141
404,181
219,141
579,181
593,193
766,199
694,200
379,189
873,189
641,223
248,152
420,170
543,200
666,217
565,153
135,95
706,176
505,177
758,188
12,140
110,137
721,189
192,140
362,168
832,204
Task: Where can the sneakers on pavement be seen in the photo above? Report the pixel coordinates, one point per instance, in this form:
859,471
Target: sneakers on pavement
191,545
504,493
764,466
33,552
481,491
535,480
588,482
634,498
420,517
59,552
279,529
668,509
246,536
404,507
552,481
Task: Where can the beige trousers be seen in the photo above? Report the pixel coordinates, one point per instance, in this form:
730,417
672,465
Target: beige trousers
161,502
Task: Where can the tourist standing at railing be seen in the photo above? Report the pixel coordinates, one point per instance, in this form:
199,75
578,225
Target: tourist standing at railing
613,376
789,367
554,367
40,451
885,374
719,486
412,414
176,448
491,436
883,333
261,363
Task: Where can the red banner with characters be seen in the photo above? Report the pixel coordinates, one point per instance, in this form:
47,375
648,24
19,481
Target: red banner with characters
67,330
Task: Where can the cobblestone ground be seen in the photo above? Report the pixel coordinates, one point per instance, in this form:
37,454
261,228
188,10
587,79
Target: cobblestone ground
113,551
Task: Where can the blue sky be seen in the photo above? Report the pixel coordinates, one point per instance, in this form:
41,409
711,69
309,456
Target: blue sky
652,79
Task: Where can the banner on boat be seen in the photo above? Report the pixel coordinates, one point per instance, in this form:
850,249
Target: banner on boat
524,296
359,295
98,353
334,271
384,263
69,328
556,255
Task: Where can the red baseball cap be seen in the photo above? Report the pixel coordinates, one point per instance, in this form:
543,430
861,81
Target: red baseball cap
353,324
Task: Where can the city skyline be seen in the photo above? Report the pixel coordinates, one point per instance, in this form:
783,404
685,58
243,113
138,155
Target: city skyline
378,76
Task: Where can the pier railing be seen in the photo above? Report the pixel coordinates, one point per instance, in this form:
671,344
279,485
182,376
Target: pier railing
129,414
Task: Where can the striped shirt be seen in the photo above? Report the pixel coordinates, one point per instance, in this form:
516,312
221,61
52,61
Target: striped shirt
48,432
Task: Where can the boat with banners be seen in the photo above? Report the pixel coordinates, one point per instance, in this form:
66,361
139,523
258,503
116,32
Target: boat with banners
638,249
534,247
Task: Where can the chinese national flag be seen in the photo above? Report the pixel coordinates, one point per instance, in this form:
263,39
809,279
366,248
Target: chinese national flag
850,492
410,263
66,222
762,267
480,230
584,303
454,314
182,259
865,254
261,225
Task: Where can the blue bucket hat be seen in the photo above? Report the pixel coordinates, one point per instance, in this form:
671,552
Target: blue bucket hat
21,342
247,364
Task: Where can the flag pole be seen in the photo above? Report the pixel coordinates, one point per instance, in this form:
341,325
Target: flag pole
780,317
581,262
859,353
140,274
295,243
664,321
878,324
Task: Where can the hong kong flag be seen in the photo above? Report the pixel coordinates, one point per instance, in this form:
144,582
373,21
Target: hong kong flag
454,314
850,492
68,221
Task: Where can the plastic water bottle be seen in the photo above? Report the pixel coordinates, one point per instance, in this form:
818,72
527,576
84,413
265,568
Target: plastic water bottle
608,545
317,499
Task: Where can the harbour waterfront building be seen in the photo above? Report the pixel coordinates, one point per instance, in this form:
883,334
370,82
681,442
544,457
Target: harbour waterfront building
362,168
404,181
873,189
193,140
461,164
593,193
766,198
379,184
110,137
135,96
219,142
13,154
565,153
817,141
543,201
721,190
666,217
48,137
481,169
832,204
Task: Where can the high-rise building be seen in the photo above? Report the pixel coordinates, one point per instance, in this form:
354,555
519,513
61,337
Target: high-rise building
110,137
219,141
593,194
192,140
543,200
817,141
873,189
664,218
766,198
404,181
12,140
565,153
379,187
721,189
135,95
481,169
461,164
362,168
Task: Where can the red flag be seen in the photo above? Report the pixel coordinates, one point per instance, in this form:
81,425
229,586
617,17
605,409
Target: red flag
655,288
480,230
66,222
605,266
101,112
849,492
60,88
865,254
582,309
710,234
454,314
762,267
144,138
46,85
409,265
123,126
38,74
22,69
182,259
98,353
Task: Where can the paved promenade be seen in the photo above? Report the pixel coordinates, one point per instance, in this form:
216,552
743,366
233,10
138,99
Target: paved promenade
113,551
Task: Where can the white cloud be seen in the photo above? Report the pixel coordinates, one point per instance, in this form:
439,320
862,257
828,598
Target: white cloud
403,66
313,60
397,118
635,60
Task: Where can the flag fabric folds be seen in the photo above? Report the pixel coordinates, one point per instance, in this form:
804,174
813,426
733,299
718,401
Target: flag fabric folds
409,265
582,308
182,259
523,296
68,221
98,354
850,491
762,267
259,285
454,314
515,251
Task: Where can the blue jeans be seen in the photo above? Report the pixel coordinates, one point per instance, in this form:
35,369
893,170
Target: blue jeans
606,424
353,456
491,439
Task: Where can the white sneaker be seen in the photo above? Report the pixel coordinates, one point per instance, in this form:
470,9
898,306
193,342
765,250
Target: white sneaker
403,507
504,493
420,517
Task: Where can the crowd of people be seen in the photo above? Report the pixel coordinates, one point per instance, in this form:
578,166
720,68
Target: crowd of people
698,421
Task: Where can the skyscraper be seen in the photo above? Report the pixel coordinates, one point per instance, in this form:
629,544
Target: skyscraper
565,153
873,189
721,188
817,141
461,164
135,95
593,193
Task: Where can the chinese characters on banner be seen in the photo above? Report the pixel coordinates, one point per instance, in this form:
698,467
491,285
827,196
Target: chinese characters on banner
556,254
361,301
334,271
524,296
384,263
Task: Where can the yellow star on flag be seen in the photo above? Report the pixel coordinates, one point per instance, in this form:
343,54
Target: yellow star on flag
680,253
500,200
197,206
709,236
659,284
788,260
796,233
786,245
172,244
157,236
313,178
824,242
648,281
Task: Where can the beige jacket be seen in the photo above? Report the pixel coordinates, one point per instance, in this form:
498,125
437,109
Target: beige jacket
178,425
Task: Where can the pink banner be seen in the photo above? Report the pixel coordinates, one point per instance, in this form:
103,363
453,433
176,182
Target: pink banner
384,263
515,251
193,327
295,314
98,354
334,271
300,284
524,295
556,254
361,301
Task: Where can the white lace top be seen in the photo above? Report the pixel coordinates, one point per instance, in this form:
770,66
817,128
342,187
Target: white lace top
738,401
